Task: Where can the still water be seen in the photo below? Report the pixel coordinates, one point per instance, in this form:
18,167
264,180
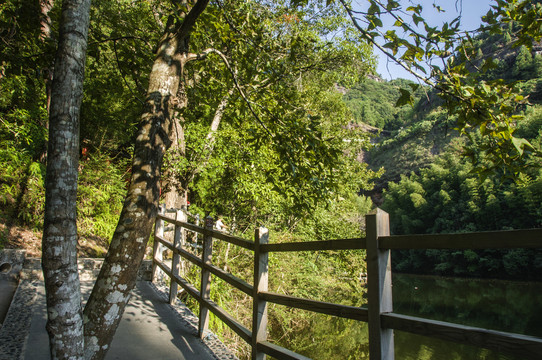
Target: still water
493,304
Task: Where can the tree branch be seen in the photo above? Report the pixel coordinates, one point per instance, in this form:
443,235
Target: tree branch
210,138
122,74
386,52
190,19
204,54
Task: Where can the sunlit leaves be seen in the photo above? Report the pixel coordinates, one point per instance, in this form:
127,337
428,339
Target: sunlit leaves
288,149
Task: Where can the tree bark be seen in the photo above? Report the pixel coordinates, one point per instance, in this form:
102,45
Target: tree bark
119,270
59,255
175,190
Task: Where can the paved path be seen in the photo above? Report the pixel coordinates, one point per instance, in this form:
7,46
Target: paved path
150,329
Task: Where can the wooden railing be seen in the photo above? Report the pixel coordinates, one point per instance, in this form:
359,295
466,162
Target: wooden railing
379,312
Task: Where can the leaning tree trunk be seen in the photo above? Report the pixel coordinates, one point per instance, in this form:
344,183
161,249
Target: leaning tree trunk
59,255
118,273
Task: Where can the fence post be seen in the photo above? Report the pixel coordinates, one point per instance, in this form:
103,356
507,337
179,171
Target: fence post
379,286
178,241
259,307
205,277
158,231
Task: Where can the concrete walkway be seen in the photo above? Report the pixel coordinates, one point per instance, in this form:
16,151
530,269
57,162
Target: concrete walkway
149,329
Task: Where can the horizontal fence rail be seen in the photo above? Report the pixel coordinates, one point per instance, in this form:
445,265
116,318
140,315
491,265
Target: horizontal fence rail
346,244
344,311
379,312
528,239
529,347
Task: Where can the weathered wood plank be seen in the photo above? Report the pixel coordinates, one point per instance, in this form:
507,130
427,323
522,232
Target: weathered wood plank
158,234
229,320
249,245
230,279
278,352
526,347
164,242
223,315
178,240
531,238
344,311
206,258
189,288
340,244
379,296
162,216
259,305
189,256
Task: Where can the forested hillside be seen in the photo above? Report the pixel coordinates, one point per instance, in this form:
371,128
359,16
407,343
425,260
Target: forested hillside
431,182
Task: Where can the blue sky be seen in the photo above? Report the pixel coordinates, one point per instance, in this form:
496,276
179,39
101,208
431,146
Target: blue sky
471,11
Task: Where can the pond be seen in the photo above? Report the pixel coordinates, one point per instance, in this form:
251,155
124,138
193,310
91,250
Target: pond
494,304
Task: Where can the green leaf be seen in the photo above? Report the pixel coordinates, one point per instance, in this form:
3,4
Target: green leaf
373,9
520,144
414,86
405,98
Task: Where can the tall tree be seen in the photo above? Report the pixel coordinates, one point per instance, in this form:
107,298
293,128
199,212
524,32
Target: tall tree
163,122
260,85
59,257
118,273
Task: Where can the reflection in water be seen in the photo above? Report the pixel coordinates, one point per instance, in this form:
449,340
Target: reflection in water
493,304
498,305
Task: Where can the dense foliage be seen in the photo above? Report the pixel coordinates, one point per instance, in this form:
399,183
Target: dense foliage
373,102
109,113
278,149
447,197
433,188
274,174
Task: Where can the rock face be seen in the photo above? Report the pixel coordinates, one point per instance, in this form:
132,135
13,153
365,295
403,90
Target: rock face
11,264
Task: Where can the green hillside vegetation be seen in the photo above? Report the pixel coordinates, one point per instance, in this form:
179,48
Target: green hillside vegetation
372,102
413,134
430,186
416,134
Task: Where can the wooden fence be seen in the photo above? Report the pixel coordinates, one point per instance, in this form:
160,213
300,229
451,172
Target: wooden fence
379,312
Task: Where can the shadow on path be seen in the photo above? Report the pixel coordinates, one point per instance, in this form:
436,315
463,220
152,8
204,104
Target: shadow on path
150,329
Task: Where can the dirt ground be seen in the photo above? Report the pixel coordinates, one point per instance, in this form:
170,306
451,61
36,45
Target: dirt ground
16,237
